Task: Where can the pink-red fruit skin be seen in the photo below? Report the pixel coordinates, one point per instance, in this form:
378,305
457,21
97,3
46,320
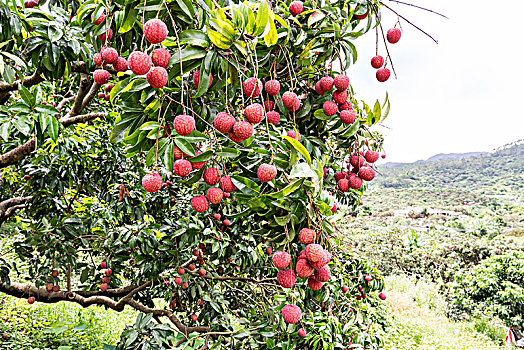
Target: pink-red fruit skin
307,236
291,314
266,172
302,332
281,259
155,31
254,113
296,7
341,82
348,116
199,203
314,252
272,87
224,122
101,76
152,182
383,74
286,278
326,83
157,77
377,62
184,124
160,57
139,62
330,108
393,35
252,87
273,117
196,78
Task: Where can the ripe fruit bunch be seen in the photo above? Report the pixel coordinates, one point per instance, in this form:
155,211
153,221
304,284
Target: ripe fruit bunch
340,102
377,62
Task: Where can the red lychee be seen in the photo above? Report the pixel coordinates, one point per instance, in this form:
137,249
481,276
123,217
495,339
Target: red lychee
191,267
330,108
227,185
211,176
314,284
110,55
30,300
326,256
323,274
184,124
304,269
97,58
281,259
197,165
266,172
272,87
371,156
341,82
224,122
108,88
393,35
377,62
343,185
152,182
302,332
339,175
178,280
101,95
182,167
101,76
202,272
252,87
139,62
345,106
108,272
103,287
286,278
355,182
318,88
178,154
155,31
160,57
326,83
234,138
367,278
120,65
181,271
314,252
254,113
383,74
243,130
366,173
199,203
273,117
217,216
293,135
382,296
215,195
357,160
289,100
106,36
227,222
296,7
103,264
157,77
291,314
348,116
196,78
307,236
340,96
269,105
99,20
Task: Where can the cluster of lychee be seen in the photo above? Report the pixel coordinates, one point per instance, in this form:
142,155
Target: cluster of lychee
29,4
107,89
340,96
50,287
140,63
107,276
393,36
361,170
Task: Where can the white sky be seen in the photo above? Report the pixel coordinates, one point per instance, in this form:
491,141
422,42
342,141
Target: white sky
462,95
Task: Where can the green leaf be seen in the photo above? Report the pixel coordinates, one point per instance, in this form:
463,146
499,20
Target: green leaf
228,152
53,129
194,37
262,18
298,146
201,157
184,146
129,21
27,96
352,130
288,189
5,130
47,109
245,185
169,156
271,38
219,40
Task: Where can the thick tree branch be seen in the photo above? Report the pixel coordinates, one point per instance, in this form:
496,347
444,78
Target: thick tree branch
29,81
17,154
83,118
10,206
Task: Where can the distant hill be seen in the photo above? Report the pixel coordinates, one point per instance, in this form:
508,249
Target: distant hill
500,172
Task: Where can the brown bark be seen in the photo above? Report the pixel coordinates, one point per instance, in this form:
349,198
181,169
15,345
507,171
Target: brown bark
17,154
10,206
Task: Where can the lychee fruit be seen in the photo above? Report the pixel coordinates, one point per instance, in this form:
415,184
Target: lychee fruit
120,65
393,35
101,95
184,124
108,272
269,105
348,116
293,135
340,96
314,252
30,300
318,88
215,195
323,274
97,58
226,222
252,87
377,62
330,108
304,269
108,88
302,332
341,82
366,173
182,167
54,273
314,284
357,160
326,83
224,122
355,182
184,285
139,62
202,272
196,78
199,203
345,289
157,77
103,287
178,154
382,296
194,318
217,216
243,130
326,256
234,138
227,185
291,314
367,278
178,280
289,100
343,185
272,87
191,267
99,20
160,57
103,264
281,259
101,76
286,278
307,236
197,165
371,156
383,74
296,7
106,36
345,106
155,31
211,176
152,182
339,175
273,117
266,172
254,113
110,55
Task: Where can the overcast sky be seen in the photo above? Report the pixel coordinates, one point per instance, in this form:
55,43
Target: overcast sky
461,95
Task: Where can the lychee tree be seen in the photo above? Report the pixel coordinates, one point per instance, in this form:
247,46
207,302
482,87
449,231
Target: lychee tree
187,159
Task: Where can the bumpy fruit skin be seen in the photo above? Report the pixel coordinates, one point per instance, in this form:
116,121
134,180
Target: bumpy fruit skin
152,182
272,87
383,74
293,135
318,88
211,176
377,62
101,76
103,287
139,62
99,20
273,117
296,7
108,272
348,116
202,272
106,36
252,87
157,77
182,167
227,222
120,65
314,284
196,78
178,280
304,269
382,296
184,124
30,300
155,31
341,82
289,99
286,278
227,185
281,259
371,156
314,252
108,88
291,314
326,83
393,35
367,278
307,236
224,122
254,113
160,57
326,256
302,332
366,173
355,182
339,175
197,165
178,154
343,185
101,95
357,160
323,274
217,216
110,55
215,195
243,130
199,203
345,106
330,108
340,96
97,58
269,105
266,172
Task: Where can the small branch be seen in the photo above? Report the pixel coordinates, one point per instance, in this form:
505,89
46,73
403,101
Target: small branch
80,118
405,19
419,7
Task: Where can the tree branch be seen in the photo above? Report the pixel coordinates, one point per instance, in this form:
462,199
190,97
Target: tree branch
17,154
10,206
27,82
